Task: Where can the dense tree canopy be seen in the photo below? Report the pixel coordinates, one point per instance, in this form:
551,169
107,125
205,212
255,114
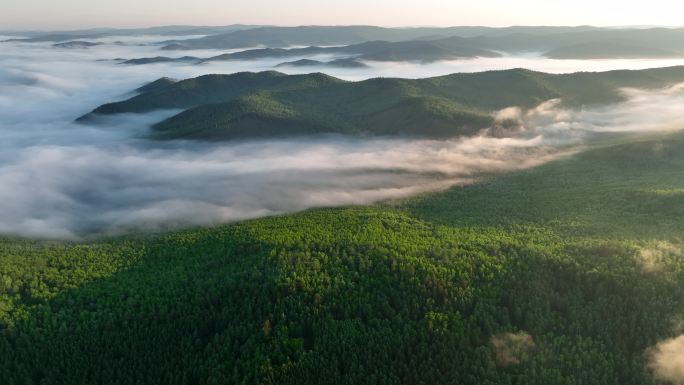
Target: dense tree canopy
564,274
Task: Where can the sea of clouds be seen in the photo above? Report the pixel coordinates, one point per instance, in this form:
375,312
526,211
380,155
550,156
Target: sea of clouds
64,180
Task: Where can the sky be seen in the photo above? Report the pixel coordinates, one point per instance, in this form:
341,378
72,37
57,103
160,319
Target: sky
74,14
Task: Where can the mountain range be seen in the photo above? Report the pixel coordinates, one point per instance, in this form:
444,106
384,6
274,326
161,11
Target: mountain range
400,44
272,104
279,37
446,43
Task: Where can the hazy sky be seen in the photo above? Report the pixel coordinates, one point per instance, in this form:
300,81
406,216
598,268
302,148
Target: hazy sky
54,14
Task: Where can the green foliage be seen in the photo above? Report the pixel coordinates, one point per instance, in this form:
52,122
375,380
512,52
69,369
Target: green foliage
577,262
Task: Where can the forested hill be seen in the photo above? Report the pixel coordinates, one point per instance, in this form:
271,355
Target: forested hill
564,274
271,104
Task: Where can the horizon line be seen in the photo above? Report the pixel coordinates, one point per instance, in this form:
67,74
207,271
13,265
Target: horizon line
629,26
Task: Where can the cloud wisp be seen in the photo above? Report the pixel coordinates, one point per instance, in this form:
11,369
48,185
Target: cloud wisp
666,360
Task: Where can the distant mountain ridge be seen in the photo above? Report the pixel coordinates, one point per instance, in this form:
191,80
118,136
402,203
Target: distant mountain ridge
445,43
76,44
170,30
415,45
280,37
582,42
414,50
162,59
338,63
609,51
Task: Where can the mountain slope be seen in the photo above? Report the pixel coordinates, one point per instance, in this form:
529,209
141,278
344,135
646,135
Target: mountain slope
156,86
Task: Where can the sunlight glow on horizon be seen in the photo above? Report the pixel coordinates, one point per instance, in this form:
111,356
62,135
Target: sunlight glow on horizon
74,14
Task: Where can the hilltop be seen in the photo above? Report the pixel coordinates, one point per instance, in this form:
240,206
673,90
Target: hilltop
338,63
76,44
162,59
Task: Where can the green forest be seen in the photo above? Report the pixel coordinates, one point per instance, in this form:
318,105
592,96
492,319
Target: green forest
563,274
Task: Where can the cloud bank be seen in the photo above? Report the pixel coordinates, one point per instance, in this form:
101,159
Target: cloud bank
61,180
65,191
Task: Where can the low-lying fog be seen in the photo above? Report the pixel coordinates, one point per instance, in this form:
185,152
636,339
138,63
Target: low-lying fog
62,180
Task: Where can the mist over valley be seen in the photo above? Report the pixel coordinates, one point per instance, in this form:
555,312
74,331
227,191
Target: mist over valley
115,173
314,204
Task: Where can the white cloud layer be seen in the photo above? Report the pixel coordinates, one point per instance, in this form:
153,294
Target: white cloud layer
62,180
